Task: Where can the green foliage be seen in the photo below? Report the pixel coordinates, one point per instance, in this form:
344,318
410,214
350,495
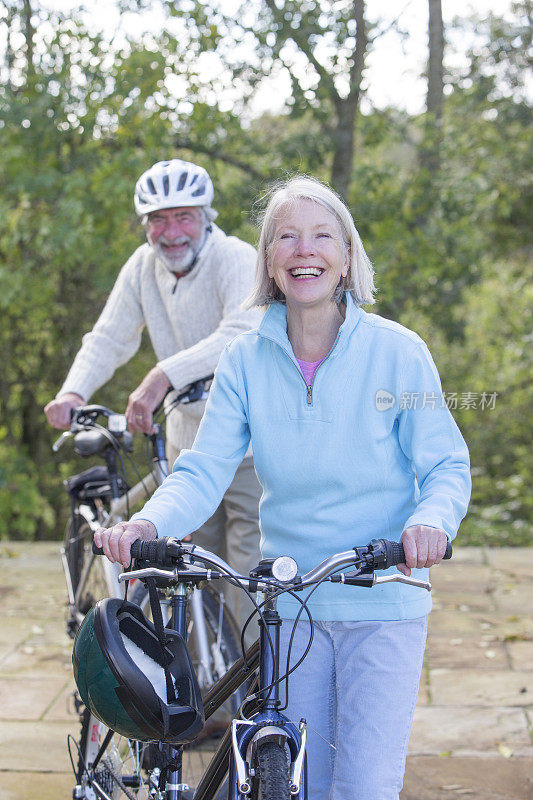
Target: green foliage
493,358
22,506
83,117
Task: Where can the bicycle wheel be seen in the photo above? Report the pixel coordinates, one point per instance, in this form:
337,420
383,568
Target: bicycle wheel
271,765
120,773
86,570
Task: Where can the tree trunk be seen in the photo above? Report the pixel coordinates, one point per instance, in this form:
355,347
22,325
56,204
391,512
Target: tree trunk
343,144
347,108
430,157
435,93
29,33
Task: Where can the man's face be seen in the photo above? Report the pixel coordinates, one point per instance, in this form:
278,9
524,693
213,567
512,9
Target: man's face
176,235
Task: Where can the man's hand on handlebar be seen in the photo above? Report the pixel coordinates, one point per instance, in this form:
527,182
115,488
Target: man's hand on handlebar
145,399
423,546
58,411
116,541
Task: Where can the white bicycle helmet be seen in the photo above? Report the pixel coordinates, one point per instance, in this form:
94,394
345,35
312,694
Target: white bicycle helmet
172,184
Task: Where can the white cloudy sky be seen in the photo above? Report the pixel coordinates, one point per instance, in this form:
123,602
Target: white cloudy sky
393,67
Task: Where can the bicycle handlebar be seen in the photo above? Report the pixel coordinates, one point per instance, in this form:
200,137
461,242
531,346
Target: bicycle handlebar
379,554
84,417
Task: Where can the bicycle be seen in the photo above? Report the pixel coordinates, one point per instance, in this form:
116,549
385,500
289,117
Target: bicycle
101,497
263,754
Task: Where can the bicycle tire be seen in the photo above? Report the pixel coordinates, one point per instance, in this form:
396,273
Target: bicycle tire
78,551
271,765
122,761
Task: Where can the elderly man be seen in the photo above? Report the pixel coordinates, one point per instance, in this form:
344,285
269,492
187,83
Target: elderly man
186,285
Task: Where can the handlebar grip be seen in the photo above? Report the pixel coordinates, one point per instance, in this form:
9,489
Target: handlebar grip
139,549
396,554
154,551
163,551
147,551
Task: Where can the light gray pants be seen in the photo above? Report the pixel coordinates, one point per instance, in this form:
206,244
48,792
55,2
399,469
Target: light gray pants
357,689
233,534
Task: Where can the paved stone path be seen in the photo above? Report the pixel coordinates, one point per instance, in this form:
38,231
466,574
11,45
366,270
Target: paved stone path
472,735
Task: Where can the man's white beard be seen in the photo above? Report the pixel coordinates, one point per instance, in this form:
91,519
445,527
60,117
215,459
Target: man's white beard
176,263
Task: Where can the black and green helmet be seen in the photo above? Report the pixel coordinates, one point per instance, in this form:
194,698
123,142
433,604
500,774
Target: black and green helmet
132,683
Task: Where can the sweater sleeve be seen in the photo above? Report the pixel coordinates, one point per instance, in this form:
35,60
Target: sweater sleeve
432,442
114,339
232,274
198,482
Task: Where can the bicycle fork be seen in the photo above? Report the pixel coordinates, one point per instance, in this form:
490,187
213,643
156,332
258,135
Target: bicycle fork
268,724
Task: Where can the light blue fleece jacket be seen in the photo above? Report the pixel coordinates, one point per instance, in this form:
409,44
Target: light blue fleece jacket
341,462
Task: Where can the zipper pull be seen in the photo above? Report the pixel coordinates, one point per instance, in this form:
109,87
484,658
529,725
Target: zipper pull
309,395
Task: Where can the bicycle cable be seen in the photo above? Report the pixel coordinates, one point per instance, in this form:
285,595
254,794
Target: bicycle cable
235,581
285,676
290,669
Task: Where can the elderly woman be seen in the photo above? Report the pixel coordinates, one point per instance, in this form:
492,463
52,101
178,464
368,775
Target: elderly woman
351,441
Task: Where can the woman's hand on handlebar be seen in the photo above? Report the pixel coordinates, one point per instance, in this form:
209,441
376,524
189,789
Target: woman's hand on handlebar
423,546
116,541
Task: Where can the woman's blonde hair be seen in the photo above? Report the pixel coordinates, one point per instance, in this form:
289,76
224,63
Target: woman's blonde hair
282,197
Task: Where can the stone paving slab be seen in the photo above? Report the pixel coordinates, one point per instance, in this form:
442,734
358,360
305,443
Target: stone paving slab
515,598
470,653
506,557
38,785
469,731
465,576
476,687
442,778
27,698
521,654
472,735
505,627
62,707
480,602
25,746
34,660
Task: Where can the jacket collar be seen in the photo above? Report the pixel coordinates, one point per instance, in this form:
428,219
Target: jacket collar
274,324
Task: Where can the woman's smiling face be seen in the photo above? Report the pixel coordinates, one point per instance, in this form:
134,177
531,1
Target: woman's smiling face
307,255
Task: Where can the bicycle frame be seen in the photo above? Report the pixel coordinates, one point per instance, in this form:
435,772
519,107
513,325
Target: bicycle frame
233,753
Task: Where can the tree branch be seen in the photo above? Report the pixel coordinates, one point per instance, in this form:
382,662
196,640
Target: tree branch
196,147
303,45
392,25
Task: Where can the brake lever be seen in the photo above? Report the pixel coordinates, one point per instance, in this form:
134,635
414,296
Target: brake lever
61,440
398,577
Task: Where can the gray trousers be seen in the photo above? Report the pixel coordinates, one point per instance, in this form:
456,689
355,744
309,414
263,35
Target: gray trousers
357,689
233,534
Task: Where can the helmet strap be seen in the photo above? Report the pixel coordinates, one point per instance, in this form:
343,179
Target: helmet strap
160,633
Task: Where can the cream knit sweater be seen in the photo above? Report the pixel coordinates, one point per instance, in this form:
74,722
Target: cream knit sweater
189,321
